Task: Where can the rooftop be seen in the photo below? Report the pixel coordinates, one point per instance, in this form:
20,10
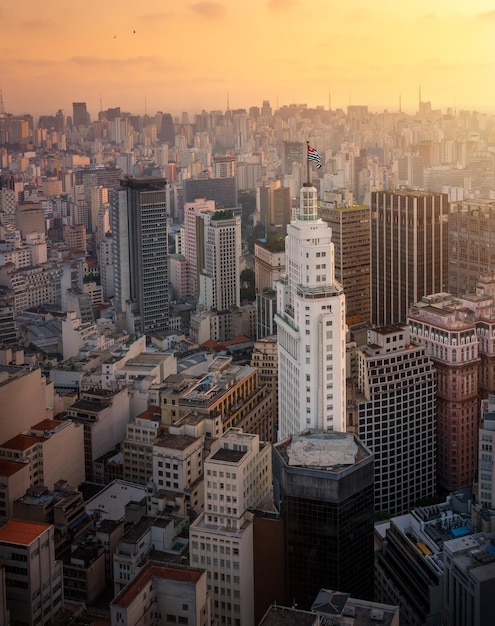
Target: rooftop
151,570
22,532
111,501
9,468
227,455
22,442
175,442
322,450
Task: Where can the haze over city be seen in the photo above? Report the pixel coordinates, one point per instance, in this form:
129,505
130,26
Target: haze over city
189,56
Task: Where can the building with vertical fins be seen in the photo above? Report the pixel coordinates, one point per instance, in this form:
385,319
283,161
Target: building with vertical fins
311,327
350,226
219,259
139,228
409,251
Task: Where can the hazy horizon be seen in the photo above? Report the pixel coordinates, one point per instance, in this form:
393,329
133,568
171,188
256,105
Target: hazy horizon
188,57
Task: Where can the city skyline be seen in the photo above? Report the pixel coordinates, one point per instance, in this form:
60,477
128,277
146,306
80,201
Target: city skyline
210,54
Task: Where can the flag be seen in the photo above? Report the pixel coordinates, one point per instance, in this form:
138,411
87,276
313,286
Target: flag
313,155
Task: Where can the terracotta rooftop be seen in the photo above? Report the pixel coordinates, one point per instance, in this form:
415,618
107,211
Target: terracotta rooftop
22,442
9,468
22,532
151,570
151,413
47,425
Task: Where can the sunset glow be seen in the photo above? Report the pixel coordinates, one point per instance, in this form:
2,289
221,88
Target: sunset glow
190,55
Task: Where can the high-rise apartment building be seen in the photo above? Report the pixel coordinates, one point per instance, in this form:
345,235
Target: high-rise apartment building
471,244
224,167
323,486
219,265
396,417
350,226
311,327
139,229
409,251
448,329
30,218
238,477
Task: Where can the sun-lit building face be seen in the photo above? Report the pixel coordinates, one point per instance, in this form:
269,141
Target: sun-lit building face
287,51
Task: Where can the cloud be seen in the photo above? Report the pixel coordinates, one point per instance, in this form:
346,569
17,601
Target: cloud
489,15
210,10
90,61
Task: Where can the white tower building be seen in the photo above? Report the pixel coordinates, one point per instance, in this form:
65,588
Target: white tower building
311,327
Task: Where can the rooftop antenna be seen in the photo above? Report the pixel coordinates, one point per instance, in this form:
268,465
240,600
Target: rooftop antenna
420,98
329,100
400,102
454,107
101,105
145,106
228,105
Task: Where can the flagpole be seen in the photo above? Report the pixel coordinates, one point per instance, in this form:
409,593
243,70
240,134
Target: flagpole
307,161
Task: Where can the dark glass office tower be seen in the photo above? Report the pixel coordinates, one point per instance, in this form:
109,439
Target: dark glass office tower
323,484
139,228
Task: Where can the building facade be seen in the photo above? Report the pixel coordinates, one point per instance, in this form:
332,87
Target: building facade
237,477
396,417
409,251
447,328
323,487
311,327
350,226
139,228
219,278
471,244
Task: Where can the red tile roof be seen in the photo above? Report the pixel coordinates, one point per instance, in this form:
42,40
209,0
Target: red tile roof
22,532
21,442
9,468
47,424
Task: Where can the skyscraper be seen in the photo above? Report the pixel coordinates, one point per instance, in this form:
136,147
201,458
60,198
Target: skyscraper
192,210
323,487
139,229
409,251
471,244
80,116
396,417
219,278
350,226
311,327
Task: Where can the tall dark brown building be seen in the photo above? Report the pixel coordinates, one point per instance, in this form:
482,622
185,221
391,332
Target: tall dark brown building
409,251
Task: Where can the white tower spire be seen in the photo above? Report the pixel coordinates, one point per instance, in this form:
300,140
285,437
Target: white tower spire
311,327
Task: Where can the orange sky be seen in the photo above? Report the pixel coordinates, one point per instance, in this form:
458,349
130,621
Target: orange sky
187,55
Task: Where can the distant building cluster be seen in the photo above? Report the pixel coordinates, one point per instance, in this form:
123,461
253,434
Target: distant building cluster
238,389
